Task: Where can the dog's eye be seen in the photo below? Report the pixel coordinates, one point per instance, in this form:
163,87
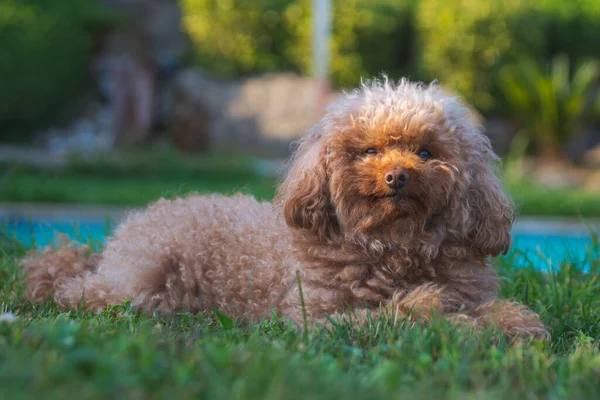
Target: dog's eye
425,154
371,150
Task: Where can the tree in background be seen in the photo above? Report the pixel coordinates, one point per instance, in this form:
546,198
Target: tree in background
45,46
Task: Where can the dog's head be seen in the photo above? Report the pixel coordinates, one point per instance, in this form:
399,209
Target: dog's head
396,162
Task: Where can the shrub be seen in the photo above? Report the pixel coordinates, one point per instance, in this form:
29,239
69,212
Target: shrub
242,37
552,106
45,44
44,50
466,42
463,43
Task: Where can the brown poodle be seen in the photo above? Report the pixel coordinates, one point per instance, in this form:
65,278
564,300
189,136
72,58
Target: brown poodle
390,205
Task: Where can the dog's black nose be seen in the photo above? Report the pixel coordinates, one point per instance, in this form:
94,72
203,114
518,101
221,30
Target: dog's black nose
396,179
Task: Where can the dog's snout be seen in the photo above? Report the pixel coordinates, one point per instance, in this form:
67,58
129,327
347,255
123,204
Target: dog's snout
396,179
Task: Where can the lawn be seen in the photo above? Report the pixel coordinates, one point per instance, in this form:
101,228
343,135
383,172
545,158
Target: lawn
135,178
119,353
138,178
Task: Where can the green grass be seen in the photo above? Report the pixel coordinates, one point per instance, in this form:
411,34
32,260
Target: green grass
122,354
532,199
134,179
127,178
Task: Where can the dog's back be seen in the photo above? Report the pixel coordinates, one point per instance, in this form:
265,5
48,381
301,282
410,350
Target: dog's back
193,253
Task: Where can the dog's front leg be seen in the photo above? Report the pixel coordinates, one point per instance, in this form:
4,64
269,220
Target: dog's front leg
418,304
515,320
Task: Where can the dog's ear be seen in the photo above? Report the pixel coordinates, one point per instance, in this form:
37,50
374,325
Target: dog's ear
490,212
486,213
304,193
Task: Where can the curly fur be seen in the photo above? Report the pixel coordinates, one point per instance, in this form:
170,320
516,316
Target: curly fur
354,243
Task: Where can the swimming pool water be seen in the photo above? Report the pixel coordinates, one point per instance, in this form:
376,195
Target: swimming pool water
43,233
541,249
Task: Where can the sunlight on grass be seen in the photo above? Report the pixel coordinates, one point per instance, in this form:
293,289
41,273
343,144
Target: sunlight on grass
119,352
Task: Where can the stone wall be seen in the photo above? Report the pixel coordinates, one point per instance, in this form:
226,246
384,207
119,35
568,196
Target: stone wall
263,114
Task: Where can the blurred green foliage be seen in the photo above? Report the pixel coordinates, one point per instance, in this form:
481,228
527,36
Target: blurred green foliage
463,43
241,37
44,53
552,105
466,42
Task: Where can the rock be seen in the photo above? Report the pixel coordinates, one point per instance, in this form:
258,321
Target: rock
132,97
581,148
136,64
592,183
191,122
501,131
591,157
262,114
90,133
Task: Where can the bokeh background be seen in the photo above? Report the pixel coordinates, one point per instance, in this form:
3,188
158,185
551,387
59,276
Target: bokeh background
123,101
111,104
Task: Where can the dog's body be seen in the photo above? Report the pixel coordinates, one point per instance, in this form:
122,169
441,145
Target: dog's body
389,205
187,254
